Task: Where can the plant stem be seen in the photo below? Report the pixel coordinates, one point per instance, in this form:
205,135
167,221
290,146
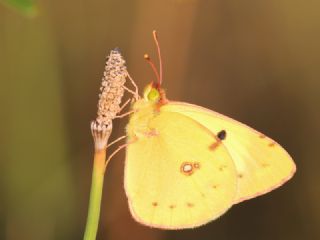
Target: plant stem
95,195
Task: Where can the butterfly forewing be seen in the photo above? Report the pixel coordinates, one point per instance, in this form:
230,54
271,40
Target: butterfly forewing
262,164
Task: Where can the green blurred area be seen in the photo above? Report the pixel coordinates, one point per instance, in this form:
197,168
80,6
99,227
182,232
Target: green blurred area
256,61
26,7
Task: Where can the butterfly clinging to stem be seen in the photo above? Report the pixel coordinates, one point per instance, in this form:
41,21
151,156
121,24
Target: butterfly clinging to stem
187,165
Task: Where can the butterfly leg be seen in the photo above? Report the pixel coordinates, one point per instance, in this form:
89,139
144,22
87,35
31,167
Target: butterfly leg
117,140
130,91
125,114
136,91
125,104
119,149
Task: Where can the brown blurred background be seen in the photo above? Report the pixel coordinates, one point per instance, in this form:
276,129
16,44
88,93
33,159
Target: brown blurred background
256,61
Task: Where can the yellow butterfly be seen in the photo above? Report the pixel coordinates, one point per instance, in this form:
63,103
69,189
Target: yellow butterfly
187,165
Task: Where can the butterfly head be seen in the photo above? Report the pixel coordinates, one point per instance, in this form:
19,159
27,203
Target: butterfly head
153,92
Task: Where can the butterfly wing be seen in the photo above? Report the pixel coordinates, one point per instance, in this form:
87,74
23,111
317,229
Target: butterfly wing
178,174
262,164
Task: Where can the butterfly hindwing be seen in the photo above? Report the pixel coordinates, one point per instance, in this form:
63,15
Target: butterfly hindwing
177,173
262,164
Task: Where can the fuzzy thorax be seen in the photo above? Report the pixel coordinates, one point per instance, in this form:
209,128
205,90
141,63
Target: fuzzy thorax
145,110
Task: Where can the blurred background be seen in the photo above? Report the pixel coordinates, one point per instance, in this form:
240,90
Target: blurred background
256,61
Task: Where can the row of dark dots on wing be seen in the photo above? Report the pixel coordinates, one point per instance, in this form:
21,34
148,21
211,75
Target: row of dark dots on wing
188,204
271,144
172,206
223,167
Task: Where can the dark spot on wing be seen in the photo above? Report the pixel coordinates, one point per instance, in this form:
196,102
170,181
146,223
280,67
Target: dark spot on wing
190,205
222,167
272,144
196,165
222,134
213,146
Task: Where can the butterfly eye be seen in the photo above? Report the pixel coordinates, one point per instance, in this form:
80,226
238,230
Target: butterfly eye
153,95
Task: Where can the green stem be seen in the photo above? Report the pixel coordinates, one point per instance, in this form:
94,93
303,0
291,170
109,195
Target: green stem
95,195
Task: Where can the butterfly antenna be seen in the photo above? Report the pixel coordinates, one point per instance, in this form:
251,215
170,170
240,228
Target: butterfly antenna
148,59
155,37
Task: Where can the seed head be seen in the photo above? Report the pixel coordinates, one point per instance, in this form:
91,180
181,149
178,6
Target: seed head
112,88
111,93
